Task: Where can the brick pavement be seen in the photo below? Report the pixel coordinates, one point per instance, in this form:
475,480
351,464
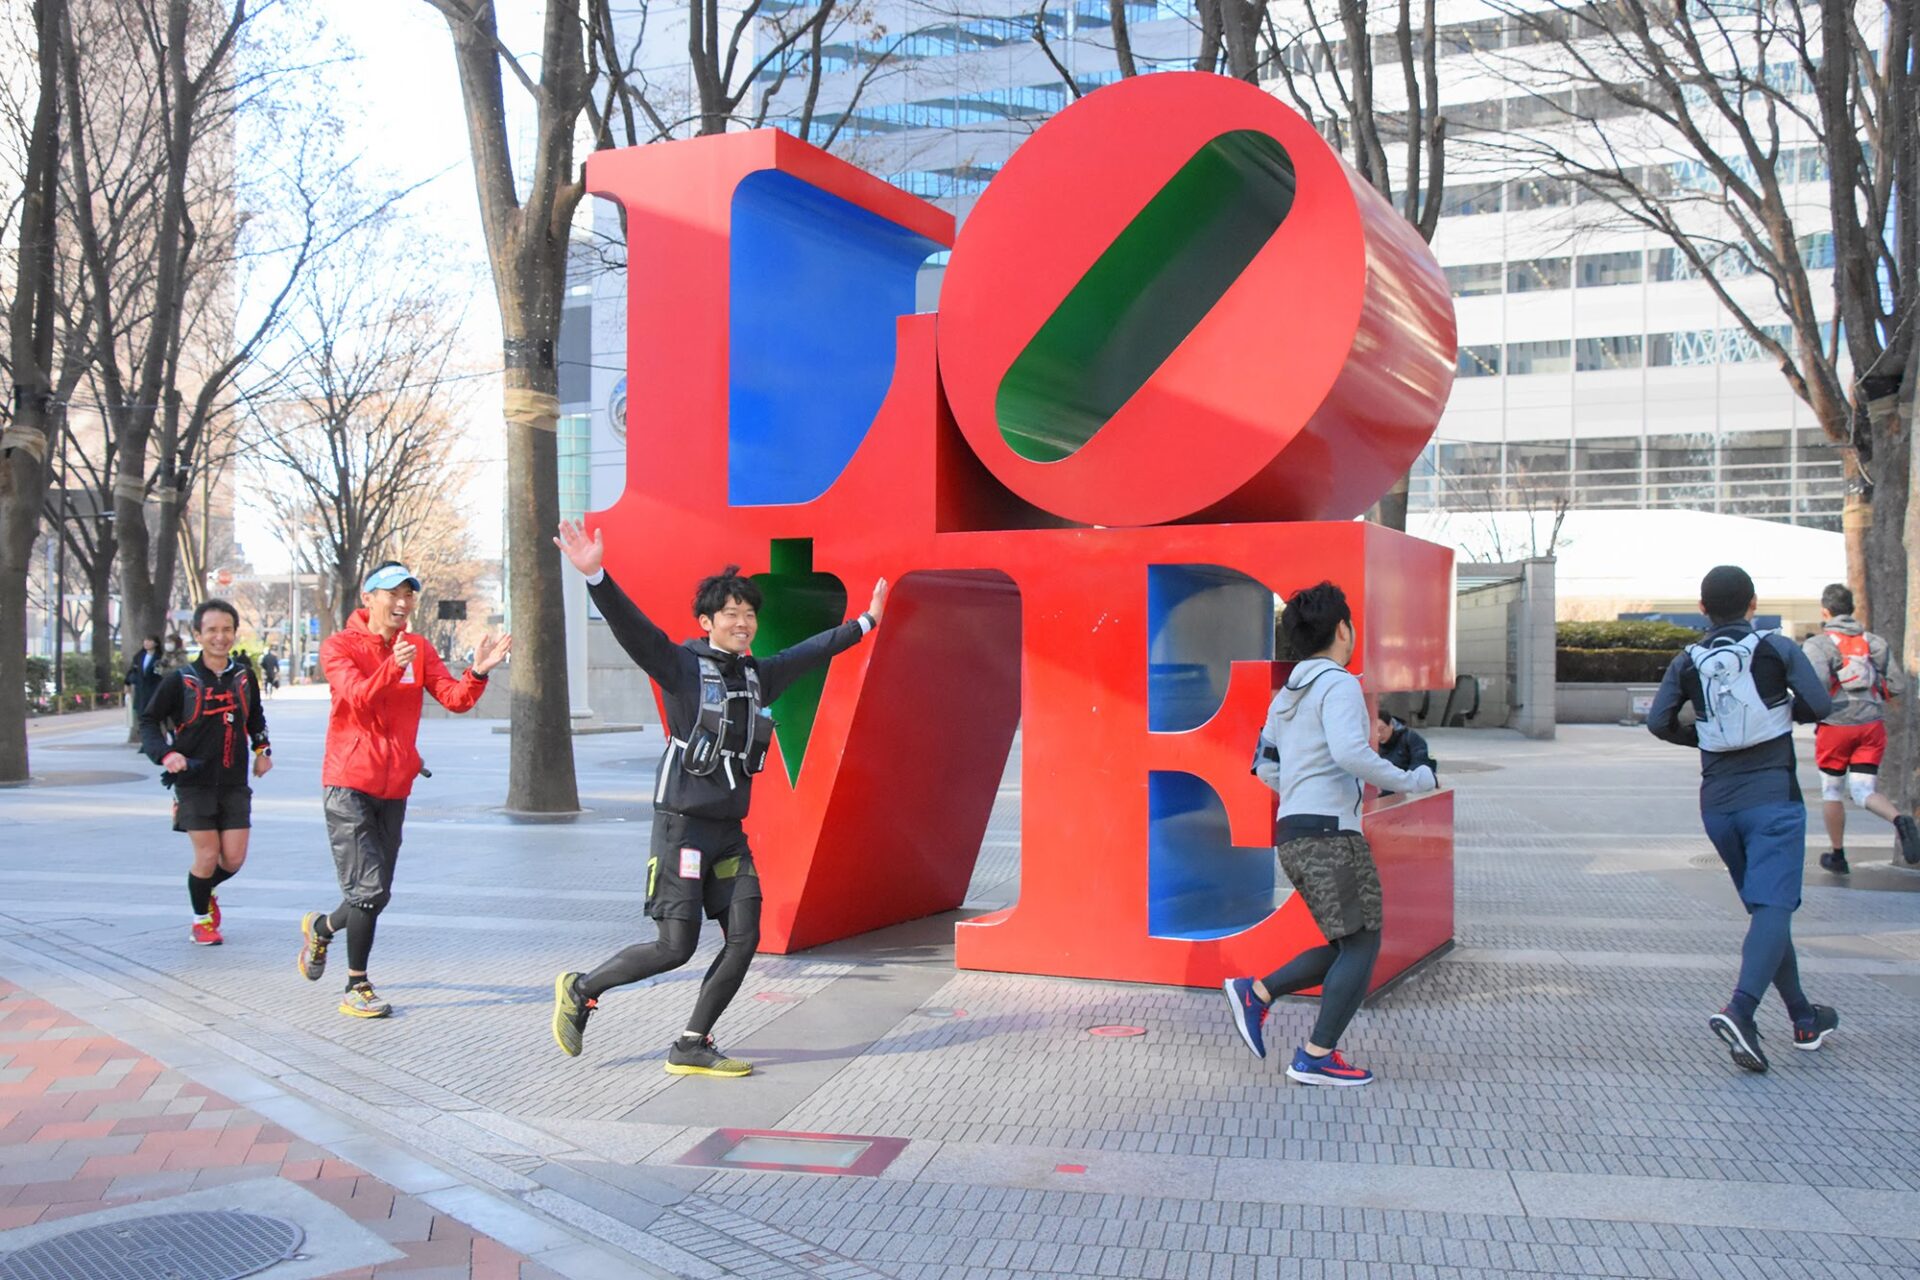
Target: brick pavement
1550,1101
88,1122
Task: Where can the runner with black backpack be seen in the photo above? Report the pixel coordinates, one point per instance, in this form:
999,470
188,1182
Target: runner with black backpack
1848,745
201,725
1748,688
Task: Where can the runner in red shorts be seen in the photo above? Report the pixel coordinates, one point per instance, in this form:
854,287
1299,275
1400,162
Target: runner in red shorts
1849,744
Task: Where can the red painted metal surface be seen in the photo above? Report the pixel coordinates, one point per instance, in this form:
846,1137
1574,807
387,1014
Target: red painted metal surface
1006,612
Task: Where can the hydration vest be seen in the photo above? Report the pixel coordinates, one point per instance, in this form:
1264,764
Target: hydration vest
1733,716
704,751
229,707
1856,673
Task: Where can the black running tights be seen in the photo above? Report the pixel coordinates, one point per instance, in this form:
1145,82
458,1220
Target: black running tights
357,922
673,947
1342,969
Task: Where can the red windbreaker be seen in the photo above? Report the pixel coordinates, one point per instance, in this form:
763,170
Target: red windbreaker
376,708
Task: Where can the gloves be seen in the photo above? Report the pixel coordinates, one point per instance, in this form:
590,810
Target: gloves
1424,779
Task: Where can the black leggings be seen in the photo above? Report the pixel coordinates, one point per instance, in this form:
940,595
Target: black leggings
358,924
1342,969
673,947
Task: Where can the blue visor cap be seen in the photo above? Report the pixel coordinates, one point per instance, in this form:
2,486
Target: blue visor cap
388,578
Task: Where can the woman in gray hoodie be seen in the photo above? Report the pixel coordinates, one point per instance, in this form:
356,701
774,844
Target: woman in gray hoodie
1317,753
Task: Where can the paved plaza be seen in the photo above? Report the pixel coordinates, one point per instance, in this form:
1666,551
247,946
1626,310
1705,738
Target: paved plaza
1550,1104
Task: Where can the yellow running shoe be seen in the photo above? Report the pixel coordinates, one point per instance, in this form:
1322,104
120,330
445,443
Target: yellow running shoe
570,1013
360,1002
702,1058
313,949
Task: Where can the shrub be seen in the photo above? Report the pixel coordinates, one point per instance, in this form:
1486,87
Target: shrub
1625,635
77,673
39,678
1611,666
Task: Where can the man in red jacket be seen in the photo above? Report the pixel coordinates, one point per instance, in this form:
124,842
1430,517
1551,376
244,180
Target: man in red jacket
378,672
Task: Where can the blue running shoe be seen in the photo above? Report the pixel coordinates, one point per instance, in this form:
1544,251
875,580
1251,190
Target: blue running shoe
1742,1038
1332,1069
1249,1014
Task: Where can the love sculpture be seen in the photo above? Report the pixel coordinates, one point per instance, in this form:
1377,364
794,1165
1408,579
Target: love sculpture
1180,345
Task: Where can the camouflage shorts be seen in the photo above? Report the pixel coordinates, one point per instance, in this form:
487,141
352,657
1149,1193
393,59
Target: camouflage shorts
1334,873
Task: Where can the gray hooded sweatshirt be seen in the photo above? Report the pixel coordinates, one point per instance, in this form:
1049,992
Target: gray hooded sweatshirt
1853,706
1315,752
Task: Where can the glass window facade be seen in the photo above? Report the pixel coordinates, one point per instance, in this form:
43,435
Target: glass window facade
1599,270
1539,273
1555,356
1478,362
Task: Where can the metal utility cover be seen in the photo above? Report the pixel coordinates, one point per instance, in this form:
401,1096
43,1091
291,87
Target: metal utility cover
217,1245
771,1149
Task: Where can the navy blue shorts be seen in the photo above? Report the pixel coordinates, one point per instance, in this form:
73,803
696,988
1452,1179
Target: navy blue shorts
1765,849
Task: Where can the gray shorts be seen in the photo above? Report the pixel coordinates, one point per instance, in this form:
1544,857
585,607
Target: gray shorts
364,832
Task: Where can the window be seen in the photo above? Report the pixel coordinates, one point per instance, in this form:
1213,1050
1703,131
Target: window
1539,193
1539,109
1607,471
1816,250
1538,273
1727,262
1688,348
1680,470
1537,469
1469,469
1474,115
1597,270
1470,198
1478,362
1594,354
576,431
1477,280
1470,37
1540,357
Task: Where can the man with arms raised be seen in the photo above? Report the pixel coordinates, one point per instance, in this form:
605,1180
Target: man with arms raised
716,694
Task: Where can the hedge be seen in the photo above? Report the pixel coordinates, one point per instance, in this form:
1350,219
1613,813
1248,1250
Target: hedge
1625,635
1611,666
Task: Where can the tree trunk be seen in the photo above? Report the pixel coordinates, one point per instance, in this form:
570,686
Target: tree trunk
1900,771
106,670
540,777
24,473
1856,520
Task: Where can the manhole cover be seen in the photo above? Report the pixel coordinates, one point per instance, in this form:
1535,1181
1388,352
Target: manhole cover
219,1245
1116,1031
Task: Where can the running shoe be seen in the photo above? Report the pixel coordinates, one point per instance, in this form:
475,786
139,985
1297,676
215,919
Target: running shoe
570,1013
703,1058
213,908
1906,834
1835,862
313,949
360,1002
1811,1033
1742,1038
1249,1013
206,934
1332,1069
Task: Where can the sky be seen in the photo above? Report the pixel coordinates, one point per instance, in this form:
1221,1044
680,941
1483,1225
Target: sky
400,97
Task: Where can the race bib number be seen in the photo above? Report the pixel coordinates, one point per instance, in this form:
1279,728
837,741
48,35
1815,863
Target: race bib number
689,864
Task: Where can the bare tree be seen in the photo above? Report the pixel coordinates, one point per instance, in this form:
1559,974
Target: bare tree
527,246
30,333
1754,99
357,454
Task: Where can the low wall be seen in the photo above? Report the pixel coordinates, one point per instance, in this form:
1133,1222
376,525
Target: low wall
1603,703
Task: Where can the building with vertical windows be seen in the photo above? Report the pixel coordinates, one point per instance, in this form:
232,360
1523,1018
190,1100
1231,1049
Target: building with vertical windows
1595,369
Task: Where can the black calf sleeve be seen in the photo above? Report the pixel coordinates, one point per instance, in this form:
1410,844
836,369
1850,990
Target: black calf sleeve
1346,985
672,947
200,893
729,968
358,924
221,875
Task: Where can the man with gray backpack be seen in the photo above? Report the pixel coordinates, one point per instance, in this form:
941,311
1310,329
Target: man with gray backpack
1748,688
1849,743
